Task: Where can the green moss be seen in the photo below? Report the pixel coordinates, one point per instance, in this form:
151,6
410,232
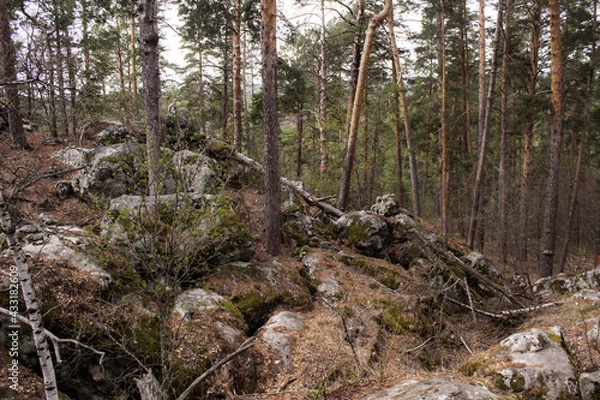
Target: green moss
517,383
394,320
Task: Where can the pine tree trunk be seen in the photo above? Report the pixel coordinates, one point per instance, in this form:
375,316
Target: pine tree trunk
237,77
354,121
271,128
15,120
225,94
484,126
355,65
580,152
552,180
201,92
33,310
502,175
151,78
527,145
445,173
412,160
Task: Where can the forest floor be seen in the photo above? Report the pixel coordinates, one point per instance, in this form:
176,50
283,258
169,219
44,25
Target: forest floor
29,196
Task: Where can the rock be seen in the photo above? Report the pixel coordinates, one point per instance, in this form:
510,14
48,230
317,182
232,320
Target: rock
563,283
386,205
74,156
194,172
439,388
529,363
115,170
196,300
367,233
276,334
589,383
64,248
114,134
195,232
64,189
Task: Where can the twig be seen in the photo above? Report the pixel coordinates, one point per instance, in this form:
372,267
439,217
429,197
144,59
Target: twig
470,301
419,346
465,343
506,313
55,339
243,347
38,178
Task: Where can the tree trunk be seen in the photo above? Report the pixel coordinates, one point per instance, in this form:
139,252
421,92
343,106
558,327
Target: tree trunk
412,160
527,145
397,123
355,65
324,163
28,291
300,133
502,175
354,121
466,82
445,173
15,120
271,128
237,77
551,193
134,63
484,126
201,92
225,94
584,133
151,78
62,98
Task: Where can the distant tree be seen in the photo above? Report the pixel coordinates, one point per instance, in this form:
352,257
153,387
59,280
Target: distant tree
271,128
15,120
151,78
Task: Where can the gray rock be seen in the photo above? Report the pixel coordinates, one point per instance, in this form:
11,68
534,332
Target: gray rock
74,156
196,300
589,383
277,335
563,283
386,205
195,172
526,363
439,388
367,233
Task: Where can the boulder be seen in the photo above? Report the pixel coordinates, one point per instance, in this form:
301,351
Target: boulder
589,383
113,134
277,335
189,231
194,172
528,364
365,232
386,205
438,388
196,300
563,283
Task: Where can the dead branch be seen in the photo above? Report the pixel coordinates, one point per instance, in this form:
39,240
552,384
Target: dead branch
55,339
506,313
243,347
294,186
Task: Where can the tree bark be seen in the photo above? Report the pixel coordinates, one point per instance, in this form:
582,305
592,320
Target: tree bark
355,65
33,310
324,163
584,133
502,175
271,128
484,126
237,76
552,180
151,78
445,173
412,160
15,120
527,145
354,121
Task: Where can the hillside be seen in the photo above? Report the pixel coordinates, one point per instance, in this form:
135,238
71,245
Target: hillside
354,305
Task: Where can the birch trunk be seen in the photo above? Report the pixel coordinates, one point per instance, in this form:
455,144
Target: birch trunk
33,310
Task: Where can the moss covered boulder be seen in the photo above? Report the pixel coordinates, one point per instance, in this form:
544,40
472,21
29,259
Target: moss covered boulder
531,365
365,232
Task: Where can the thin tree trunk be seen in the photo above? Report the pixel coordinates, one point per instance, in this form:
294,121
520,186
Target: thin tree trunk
502,175
72,82
412,160
466,83
15,120
225,95
365,180
151,78
552,180
201,92
397,129
300,133
237,77
271,128
355,65
62,99
353,132
580,152
445,173
527,145
33,310
484,131
134,63
324,163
